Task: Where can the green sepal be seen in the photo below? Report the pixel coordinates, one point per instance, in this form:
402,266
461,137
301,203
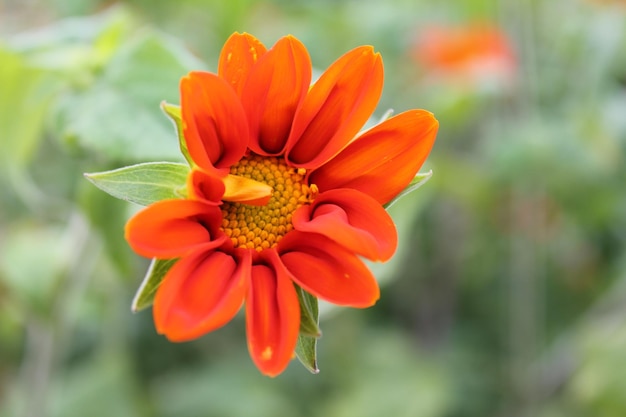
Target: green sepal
145,294
145,183
306,352
174,113
306,349
385,116
419,180
309,314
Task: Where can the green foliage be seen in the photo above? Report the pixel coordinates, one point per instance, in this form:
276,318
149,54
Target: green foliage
506,294
147,290
25,91
127,98
309,313
145,183
174,113
306,349
31,284
419,180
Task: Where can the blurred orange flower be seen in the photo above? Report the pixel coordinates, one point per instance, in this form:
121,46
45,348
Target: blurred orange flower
283,190
472,54
609,2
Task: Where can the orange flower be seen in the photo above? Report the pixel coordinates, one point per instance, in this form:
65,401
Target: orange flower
282,191
475,53
609,2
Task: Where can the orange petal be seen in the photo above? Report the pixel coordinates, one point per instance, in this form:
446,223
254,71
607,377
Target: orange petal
275,87
205,186
202,292
239,54
383,160
336,108
171,228
353,219
214,123
327,270
272,318
246,190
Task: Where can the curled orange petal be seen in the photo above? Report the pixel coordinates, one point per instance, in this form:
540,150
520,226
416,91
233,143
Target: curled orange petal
202,292
172,228
205,186
327,270
353,219
384,159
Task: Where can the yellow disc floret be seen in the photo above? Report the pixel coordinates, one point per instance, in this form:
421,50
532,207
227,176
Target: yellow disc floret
262,227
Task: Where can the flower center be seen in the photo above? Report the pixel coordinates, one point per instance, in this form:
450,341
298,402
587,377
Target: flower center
262,227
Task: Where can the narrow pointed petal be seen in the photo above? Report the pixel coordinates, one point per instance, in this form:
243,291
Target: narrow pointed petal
272,318
202,292
327,270
336,108
275,87
238,56
353,219
214,123
384,160
246,190
172,228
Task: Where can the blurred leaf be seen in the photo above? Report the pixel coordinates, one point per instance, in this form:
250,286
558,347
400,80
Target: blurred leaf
100,386
419,180
24,103
107,216
32,259
143,184
76,42
118,117
387,375
174,113
117,28
306,349
228,387
156,272
595,351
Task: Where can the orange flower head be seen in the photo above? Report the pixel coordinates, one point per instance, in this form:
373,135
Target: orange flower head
474,53
283,191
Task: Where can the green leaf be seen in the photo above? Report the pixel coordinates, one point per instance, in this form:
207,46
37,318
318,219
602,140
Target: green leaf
101,385
306,349
118,116
174,113
144,184
27,94
145,294
419,180
309,313
33,262
72,47
107,216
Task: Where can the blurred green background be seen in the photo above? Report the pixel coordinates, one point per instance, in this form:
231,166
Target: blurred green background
507,296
